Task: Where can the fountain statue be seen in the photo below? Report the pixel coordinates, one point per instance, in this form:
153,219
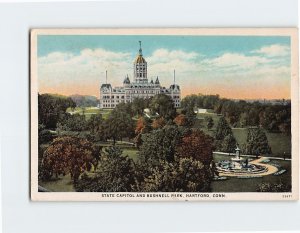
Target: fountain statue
239,166
237,160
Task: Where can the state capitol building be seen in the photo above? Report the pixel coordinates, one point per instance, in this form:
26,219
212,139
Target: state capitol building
140,87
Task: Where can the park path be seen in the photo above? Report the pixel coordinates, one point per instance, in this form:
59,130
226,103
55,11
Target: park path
270,169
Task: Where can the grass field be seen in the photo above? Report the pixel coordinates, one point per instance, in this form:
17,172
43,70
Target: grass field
250,185
131,153
89,111
278,142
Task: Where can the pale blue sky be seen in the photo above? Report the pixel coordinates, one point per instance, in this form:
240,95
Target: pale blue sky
252,66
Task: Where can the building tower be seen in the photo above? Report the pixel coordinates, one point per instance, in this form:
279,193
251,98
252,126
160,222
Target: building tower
140,67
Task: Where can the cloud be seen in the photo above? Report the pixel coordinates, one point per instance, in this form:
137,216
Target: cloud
164,56
236,61
275,50
82,73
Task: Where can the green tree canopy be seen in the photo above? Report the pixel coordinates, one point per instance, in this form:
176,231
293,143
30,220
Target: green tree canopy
51,108
115,174
182,175
164,106
257,142
160,144
119,125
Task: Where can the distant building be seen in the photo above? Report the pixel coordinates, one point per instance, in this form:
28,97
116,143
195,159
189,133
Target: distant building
140,87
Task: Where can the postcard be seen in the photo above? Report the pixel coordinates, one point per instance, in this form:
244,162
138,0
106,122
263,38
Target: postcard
164,114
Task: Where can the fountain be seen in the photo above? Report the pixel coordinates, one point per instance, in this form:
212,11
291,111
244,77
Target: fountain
238,166
237,161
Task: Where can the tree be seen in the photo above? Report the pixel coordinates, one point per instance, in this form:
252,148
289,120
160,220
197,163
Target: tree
67,155
143,125
75,122
257,142
51,108
45,135
182,175
119,125
96,125
209,122
115,174
228,144
222,129
138,106
125,107
180,120
190,116
158,123
164,106
197,145
225,140
159,144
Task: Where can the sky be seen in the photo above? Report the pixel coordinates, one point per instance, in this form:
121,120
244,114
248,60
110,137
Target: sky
237,67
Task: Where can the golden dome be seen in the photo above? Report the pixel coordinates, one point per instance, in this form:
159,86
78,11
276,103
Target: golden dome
140,59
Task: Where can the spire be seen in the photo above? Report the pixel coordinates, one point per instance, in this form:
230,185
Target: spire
157,80
106,77
174,77
140,50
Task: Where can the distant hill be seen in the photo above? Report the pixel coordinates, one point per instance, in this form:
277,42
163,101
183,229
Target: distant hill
85,100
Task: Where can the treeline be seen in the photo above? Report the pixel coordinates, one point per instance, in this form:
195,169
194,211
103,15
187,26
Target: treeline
274,118
85,100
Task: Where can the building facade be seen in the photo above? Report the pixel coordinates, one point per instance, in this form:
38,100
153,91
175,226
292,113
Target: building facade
139,87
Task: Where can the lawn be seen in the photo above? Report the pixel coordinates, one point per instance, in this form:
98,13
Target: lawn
62,184
89,111
131,153
278,142
250,185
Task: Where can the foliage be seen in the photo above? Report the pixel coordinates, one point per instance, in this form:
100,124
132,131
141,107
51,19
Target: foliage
257,142
143,125
197,145
272,115
51,108
115,174
228,144
209,122
182,175
73,122
180,120
160,144
119,125
159,123
225,140
222,129
85,100
164,106
126,108
67,155
268,187
138,105
96,125
45,135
